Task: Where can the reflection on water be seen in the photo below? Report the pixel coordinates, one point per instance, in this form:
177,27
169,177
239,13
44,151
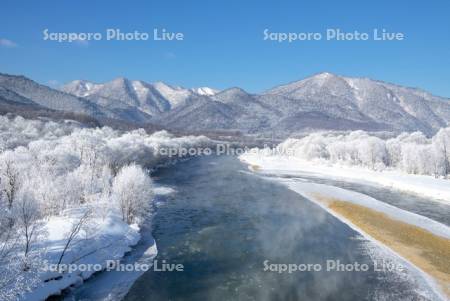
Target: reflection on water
222,224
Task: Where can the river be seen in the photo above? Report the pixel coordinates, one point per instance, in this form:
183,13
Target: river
222,223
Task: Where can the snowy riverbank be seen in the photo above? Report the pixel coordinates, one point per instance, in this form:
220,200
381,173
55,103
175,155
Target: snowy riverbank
359,211
319,192
110,239
438,189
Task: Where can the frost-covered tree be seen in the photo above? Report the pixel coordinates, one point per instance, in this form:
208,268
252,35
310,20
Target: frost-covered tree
393,152
132,192
411,152
14,281
341,151
8,237
27,221
9,177
372,152
442,144
78,224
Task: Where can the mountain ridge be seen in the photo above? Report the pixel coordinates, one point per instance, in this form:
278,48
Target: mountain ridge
324,101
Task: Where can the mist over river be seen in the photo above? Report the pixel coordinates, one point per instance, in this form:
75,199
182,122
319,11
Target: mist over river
231,230
223,223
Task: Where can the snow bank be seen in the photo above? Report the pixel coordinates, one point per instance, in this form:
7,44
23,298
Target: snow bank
438,189
108,238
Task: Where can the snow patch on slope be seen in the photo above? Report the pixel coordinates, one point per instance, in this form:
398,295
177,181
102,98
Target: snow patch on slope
205,91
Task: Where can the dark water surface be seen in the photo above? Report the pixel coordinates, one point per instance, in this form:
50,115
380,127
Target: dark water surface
223,223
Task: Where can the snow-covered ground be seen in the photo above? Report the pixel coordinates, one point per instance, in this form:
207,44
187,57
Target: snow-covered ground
114,285
437,189
107,238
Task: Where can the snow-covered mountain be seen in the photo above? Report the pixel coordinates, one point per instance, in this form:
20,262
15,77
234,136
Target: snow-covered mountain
362,100
323,101
48,98
32,92
205,91
150,98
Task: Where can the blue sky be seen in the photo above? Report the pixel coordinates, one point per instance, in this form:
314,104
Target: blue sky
223,44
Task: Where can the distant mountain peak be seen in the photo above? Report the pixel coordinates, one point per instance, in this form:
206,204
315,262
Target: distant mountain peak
324,75
234,91
206,91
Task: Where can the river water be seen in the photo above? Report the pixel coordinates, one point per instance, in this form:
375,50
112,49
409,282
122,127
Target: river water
223,223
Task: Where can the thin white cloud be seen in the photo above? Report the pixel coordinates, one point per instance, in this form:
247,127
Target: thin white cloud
7,43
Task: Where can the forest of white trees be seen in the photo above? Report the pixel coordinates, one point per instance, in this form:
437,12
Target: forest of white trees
412,153
50,169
